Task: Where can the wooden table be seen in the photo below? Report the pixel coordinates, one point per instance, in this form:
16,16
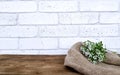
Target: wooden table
34,65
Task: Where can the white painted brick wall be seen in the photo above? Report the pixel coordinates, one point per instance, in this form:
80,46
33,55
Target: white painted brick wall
8,43
110,18
99,30
78,18
66,43
38,18
38,43
58,6
99,5
8,19
109,42
18,6
53,26
59,31
18,31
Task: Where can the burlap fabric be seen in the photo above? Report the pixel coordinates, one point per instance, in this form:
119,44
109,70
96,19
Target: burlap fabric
112,58
77,61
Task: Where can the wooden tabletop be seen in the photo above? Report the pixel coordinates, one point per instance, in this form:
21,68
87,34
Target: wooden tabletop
34,65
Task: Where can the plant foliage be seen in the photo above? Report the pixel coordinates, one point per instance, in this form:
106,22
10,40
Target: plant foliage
93,51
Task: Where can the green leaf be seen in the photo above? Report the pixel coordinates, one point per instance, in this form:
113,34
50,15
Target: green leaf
94,51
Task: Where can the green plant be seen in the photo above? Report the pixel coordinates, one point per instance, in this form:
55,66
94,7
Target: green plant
93,51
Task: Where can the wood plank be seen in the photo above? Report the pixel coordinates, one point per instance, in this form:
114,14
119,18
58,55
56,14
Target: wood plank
34,65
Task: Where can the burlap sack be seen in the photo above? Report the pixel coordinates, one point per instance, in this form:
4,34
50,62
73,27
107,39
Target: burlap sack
112,58
77,61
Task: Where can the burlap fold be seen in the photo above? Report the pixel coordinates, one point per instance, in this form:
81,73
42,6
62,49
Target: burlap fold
112,58
77,61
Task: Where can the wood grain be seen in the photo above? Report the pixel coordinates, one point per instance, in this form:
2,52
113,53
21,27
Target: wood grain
34,65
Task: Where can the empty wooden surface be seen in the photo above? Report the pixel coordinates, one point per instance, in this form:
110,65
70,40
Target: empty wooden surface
34,65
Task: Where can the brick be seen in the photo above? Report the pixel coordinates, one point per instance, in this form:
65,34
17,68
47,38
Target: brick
108,42
66,43
38,43
114,50
38,18
99,5
29,52
18,31
110,18
78,18
8,43
18,6
34,52
58,6
8,19
20,52
53,52
99,30
111,42
65,30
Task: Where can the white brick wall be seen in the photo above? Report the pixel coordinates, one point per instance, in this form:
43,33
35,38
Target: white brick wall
58,6
38,18
66,43
8,19
53,26
18,6
8,43
99,30
99,5
59,31
18,31
38,43
110,18
78,18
